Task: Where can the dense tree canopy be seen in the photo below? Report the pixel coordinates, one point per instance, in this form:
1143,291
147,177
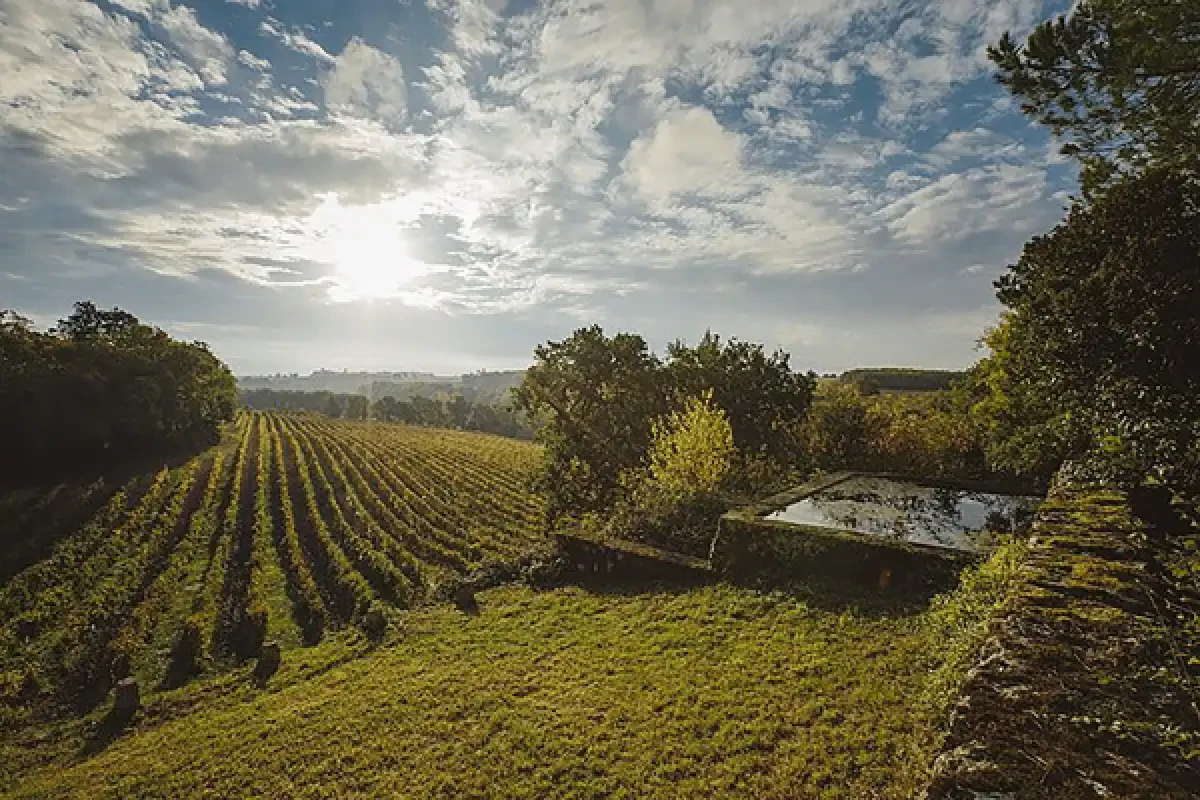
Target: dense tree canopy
759,393
102,387
899,379
1103,339
1023,426
1099,353
598,398
1118,80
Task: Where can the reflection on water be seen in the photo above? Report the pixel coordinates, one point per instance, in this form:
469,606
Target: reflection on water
883,507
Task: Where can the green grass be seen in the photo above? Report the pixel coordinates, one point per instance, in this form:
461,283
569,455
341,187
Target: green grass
711,691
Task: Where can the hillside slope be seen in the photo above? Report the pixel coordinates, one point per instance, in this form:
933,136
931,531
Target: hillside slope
293,528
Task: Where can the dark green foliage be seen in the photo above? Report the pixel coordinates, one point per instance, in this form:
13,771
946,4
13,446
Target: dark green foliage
1103,341
686,526
760,394
356,407
320,401
374,622
921,435
597,398
101,388
252,630
1118,80
187,652
1024,429
898,379
1099,355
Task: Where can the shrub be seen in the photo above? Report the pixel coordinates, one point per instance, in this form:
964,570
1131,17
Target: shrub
252,630
691,450
676,500
188,650
925,436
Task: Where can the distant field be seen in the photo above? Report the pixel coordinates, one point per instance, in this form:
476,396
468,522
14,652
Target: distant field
303,520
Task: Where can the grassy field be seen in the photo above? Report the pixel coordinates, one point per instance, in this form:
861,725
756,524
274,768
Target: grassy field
641,691
300,524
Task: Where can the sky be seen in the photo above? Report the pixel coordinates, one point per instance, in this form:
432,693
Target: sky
443,185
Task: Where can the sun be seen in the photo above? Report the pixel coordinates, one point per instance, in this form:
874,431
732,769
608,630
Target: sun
366,249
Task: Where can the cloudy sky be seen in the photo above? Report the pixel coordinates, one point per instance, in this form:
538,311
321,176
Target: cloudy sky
441,185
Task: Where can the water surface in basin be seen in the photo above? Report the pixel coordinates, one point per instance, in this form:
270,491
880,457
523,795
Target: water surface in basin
964,520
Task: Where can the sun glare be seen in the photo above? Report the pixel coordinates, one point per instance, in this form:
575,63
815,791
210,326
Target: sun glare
366,249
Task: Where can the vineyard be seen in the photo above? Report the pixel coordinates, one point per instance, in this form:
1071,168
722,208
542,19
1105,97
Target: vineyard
294,527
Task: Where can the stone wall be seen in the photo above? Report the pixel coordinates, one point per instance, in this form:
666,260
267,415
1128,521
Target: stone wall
751,547
1086,686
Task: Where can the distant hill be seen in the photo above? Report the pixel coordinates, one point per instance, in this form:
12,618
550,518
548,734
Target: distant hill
341,382
485,387
900,379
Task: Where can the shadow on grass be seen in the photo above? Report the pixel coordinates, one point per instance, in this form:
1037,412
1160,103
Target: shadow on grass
107,730
817,592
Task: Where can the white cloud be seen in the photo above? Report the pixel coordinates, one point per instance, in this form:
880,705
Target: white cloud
1000,197
72,78
977,143
248,59
294,39
365,82
688,152
842,73
580,157
208,52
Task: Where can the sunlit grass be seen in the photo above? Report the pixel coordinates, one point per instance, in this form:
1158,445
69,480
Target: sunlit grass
713,691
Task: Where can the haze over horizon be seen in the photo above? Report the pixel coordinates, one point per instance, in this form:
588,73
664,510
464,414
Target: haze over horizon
441,186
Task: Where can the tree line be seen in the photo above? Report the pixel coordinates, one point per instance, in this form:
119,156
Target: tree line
897,379
623,427
1097,356
100,388
446,411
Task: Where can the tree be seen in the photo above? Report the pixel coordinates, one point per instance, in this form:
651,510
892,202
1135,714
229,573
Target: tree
675,501
1024,427
332,406
426,411
356,406
102,387
88,322
1103,334
458,409
596,396
838,428
388,409
759,393
1118,80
